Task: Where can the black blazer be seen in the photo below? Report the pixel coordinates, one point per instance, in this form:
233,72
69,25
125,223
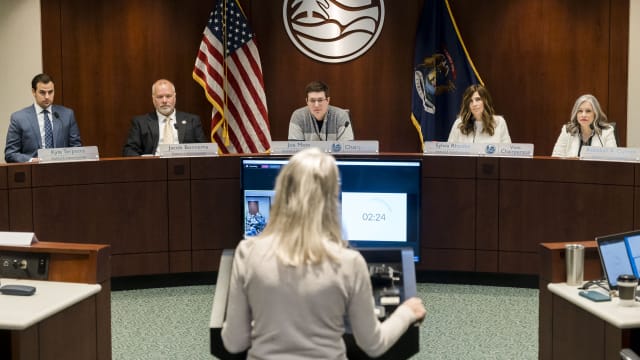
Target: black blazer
145,133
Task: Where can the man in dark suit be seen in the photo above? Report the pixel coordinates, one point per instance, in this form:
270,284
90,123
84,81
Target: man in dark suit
41,125
164,126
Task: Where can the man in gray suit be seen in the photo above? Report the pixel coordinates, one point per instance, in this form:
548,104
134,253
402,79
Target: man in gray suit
166,125
41,125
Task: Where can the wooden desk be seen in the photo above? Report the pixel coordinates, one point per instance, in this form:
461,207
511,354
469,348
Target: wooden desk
73,263
165,216
570,327
57,322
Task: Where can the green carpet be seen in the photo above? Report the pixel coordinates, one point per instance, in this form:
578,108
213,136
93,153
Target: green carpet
463,322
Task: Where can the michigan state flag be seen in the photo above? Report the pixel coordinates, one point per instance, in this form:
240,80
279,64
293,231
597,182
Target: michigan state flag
442,70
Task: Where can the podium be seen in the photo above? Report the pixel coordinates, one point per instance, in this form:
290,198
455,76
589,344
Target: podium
82,328
402,259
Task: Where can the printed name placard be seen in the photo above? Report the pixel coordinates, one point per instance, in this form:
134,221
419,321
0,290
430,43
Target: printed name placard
334,147
16,238
509,150
477,149
448,148
69,154
187,150
610,153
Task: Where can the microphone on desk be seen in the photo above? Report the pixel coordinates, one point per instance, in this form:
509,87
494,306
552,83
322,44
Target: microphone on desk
346,125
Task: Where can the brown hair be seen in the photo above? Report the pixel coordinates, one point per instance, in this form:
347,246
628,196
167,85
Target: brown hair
488,124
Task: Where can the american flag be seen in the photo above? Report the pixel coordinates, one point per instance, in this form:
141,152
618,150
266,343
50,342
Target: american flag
228,69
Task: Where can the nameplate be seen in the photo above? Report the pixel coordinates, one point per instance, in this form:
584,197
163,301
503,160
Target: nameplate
478,149
16,238
509,150
334,147
187,150
455,149
610,153
69,154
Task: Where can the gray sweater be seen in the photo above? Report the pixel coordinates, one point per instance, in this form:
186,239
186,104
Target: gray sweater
285,312
303,126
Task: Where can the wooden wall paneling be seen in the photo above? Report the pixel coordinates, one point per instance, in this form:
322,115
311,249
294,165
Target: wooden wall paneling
580,211
577,342
223,167
4,200
206,260
449,167
58,340
179,204
567,170
140,264
20,209
448,214
52,52
99,172
216,214
511,262
486,261
215,206
618,66
487,216
636,196
180,262
179,214
128,216
447,260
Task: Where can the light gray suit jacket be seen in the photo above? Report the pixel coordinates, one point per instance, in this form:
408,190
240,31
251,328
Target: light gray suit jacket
24,139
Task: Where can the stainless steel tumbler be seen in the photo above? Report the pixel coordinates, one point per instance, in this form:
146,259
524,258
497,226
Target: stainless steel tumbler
574,257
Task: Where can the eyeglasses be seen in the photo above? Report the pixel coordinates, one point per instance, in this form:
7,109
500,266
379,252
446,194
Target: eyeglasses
316,101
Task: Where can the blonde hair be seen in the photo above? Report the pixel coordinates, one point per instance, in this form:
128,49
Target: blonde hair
305,218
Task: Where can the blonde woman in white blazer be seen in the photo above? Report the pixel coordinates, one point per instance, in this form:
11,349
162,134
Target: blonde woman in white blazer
588,127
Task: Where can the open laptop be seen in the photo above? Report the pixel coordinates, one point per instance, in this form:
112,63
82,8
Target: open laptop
619,254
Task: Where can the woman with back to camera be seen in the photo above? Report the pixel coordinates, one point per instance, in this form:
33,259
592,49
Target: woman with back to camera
477,121
588,126
292,285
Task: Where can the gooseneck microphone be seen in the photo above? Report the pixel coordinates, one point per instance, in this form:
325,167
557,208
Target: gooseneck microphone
346,125
56,115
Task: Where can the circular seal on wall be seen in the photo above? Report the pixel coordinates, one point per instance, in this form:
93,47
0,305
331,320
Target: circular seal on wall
333,31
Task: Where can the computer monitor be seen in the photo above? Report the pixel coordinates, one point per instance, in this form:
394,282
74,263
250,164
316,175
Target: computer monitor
380,199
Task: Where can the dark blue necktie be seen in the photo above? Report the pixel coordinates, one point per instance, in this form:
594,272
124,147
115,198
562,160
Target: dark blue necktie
48,131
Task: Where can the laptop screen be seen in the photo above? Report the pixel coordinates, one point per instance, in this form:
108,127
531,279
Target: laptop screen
633,249
615,256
